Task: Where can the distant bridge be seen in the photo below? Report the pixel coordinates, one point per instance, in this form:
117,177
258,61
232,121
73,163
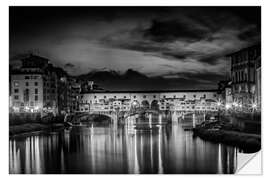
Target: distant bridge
196,100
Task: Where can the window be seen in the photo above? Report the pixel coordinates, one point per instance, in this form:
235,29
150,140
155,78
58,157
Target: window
26,77
114,97
104,97
144,96
16,84
36,83
36,91
95,97
16,90
26,83
194,95
184,96
16,97
125,97
154,96
164,96
134,97
174,96
36,98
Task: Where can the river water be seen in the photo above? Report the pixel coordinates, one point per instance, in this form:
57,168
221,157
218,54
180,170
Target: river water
110,149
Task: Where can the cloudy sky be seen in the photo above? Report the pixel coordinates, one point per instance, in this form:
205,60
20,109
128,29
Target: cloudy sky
170,42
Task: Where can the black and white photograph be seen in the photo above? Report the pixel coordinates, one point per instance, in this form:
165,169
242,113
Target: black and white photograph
133,89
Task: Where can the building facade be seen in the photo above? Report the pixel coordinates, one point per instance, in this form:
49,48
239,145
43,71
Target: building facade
258,83
38,86
124,101
28,85
243,75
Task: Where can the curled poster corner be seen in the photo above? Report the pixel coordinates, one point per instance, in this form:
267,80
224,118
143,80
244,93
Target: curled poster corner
249,164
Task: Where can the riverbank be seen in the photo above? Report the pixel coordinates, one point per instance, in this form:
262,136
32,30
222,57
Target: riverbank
24,123
215,133
32,127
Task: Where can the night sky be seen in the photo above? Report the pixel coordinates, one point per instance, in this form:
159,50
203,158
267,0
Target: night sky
175,47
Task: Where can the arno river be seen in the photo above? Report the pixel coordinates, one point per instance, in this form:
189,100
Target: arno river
109,149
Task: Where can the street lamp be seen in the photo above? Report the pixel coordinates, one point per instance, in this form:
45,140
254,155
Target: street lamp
227,106
254,106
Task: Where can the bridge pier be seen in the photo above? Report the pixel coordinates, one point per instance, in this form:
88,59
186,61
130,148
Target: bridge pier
193,120
174,117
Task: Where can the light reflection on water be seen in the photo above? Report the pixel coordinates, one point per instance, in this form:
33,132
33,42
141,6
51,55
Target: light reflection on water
167,149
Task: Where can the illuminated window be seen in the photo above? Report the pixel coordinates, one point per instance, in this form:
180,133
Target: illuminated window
16,84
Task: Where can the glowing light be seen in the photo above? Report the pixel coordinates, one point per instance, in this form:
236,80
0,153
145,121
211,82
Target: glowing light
36,108
134,103
228,106
235,104
254,106
218,103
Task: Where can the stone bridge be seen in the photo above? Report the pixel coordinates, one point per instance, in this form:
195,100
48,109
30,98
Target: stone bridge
193,100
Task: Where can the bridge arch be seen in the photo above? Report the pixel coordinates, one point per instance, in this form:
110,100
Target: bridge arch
155,105
145,104
91,117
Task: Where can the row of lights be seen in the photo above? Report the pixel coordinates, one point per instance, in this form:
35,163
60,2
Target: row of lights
235,104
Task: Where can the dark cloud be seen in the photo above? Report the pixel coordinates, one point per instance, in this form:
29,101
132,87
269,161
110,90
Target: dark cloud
178,55
171,30
250,33
69,65
212,60
170,42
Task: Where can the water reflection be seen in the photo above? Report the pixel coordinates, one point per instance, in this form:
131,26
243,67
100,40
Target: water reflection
166,149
